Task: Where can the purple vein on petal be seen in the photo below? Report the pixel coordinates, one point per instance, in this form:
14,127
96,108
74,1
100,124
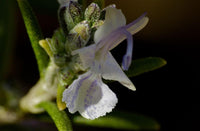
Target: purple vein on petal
90,91
77,89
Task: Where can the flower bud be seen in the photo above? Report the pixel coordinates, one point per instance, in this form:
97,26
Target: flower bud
92,13
73,15
78,36
55,45
57,42
55,48
97,24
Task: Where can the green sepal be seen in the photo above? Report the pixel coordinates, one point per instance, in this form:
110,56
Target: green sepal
58,41
66,75
61,105
54,45
45,44
61,18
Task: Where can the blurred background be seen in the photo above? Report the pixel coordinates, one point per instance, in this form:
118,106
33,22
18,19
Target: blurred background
169,94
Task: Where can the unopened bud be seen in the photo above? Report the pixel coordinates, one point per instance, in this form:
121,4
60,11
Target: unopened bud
55,48
73,15
97,24
58,41
92,13
78,36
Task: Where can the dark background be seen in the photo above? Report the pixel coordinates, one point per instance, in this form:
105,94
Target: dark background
169,94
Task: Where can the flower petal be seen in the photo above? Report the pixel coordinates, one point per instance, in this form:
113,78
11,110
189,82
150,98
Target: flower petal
114,19
90,96
112,71
112,40
72,95
86,54
137,24
98,101
117,36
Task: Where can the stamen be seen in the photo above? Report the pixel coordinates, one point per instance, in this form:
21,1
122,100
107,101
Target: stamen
127,58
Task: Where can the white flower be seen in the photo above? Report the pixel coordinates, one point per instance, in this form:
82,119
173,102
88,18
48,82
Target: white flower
88,94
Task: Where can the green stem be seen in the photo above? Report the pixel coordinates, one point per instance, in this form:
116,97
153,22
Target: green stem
60,118
34,34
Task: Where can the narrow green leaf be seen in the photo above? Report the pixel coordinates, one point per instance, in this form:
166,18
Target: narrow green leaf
7,34
120,120
60,118
34,34
144,65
